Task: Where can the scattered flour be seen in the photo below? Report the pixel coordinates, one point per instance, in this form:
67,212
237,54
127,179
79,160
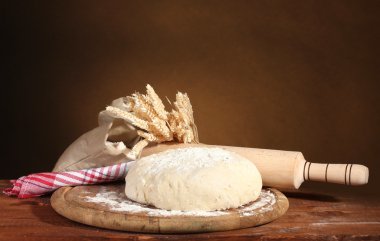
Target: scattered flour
266,197
119,203
193,157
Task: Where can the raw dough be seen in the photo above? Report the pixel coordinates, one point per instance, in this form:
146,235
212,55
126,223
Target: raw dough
194,178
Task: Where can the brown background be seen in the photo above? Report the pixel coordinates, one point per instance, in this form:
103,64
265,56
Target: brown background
292,75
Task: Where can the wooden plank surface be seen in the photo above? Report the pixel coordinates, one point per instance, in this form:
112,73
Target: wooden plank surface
311,216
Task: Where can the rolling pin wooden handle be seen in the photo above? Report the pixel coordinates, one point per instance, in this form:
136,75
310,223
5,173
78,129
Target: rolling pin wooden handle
348,174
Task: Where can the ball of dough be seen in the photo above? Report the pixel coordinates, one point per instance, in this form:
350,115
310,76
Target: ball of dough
193,178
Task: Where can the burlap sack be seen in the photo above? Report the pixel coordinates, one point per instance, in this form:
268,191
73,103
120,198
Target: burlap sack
107,144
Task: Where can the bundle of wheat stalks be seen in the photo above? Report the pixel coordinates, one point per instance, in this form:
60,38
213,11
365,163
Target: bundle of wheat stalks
153,123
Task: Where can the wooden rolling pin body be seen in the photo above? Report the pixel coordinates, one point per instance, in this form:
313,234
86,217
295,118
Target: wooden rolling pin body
286,169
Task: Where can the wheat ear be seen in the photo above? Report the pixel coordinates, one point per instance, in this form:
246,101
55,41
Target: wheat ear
156,102
119,113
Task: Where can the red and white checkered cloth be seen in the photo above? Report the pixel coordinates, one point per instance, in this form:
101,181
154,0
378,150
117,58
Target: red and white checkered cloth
39,184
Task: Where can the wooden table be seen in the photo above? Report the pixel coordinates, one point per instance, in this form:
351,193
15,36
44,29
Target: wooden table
311,216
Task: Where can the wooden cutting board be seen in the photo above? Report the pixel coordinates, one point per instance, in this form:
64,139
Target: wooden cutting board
106,206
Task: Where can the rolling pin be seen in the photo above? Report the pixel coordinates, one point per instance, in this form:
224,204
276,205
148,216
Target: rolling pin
286,169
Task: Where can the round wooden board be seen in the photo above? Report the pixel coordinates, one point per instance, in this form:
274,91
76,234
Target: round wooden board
106,206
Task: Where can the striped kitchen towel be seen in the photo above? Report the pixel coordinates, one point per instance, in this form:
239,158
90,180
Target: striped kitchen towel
39,184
